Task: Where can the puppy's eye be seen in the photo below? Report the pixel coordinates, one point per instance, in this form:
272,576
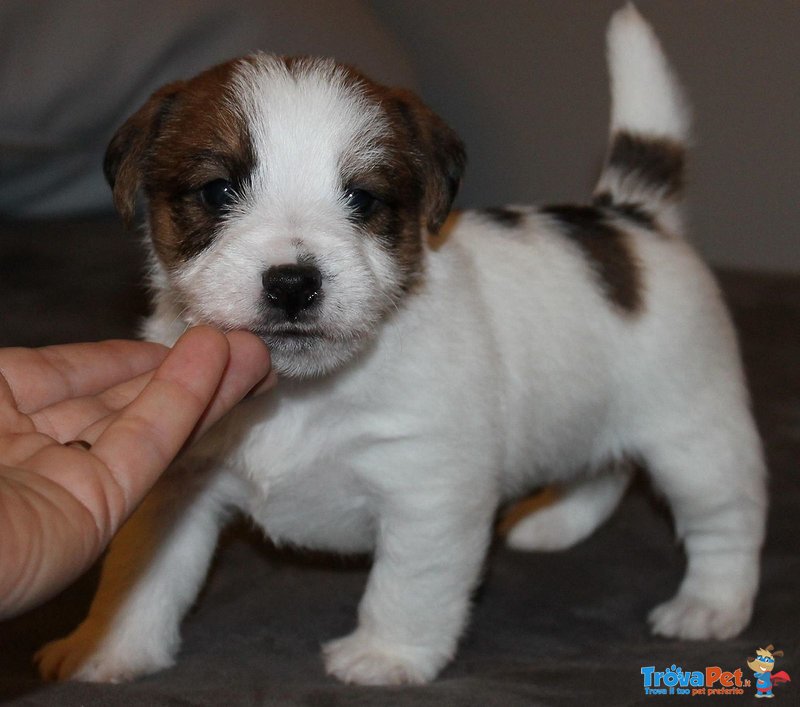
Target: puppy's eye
217,195
361,203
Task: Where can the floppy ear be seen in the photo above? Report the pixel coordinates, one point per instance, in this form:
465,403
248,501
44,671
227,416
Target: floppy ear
440,155
128,149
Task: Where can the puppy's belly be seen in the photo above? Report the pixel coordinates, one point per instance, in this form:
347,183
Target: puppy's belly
310,511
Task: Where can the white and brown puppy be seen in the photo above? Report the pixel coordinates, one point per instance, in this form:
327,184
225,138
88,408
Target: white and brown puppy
424,385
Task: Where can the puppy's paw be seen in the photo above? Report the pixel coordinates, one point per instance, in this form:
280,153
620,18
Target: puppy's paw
364,660
87,655
697,619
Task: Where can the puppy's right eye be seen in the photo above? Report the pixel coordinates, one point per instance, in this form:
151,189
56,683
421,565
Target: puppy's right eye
361,203
217,195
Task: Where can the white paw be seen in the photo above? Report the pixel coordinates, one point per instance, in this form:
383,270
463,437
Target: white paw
88,655
695,619
364,660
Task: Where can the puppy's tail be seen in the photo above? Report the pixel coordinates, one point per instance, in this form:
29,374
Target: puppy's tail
644,172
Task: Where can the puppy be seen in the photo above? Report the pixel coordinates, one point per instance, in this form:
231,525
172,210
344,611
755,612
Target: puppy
425,380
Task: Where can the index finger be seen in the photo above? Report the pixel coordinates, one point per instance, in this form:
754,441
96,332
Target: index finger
149,433
41,377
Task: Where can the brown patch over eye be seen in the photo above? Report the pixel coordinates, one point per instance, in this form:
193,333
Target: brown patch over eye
174,147
200,186
385,203
413,186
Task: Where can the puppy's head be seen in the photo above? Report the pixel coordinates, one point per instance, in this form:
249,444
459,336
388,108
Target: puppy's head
289,197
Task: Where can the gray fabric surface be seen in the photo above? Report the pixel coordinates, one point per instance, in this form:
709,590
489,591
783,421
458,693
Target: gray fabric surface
561,629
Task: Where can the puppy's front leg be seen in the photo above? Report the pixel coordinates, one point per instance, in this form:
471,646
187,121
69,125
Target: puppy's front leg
150,577
428,558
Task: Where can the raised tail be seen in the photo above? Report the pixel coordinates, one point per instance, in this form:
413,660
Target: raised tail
644,171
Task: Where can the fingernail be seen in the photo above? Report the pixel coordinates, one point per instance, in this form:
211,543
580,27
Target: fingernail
266,383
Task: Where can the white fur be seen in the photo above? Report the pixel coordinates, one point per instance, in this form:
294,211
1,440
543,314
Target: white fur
645,95
504,370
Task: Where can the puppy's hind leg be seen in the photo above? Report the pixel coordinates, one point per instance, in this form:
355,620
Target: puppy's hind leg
580,508
714,481
150,578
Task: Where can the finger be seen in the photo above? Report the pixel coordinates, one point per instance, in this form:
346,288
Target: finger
41,377
88,416
12,421
248,371
267,383
67,419
139,444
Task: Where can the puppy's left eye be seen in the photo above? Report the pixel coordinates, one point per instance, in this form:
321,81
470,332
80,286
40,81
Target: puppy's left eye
361,203
218,195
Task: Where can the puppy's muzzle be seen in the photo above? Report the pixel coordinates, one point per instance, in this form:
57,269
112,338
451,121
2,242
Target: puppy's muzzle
292,288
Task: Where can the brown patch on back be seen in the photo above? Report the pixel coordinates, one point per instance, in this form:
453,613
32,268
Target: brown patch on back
186,135
504,216
607,251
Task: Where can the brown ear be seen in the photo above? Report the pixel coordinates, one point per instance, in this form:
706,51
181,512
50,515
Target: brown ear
777,653
440,155
128,149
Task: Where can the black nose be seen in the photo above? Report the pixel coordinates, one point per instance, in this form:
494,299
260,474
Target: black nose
292,288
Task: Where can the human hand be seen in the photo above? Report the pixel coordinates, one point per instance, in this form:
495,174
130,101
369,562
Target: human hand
136,404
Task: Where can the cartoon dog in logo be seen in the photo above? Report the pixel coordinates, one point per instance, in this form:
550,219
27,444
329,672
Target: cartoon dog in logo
762,666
